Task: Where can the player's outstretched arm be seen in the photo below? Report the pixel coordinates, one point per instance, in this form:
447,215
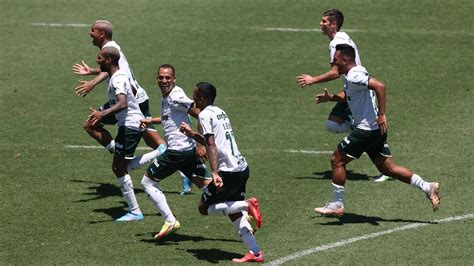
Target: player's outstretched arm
86,86
327,97
188,131
84,69
306,80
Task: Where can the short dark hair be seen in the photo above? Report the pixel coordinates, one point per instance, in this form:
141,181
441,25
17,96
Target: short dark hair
207,91
105,26
346,50
110,52
167,66
335,15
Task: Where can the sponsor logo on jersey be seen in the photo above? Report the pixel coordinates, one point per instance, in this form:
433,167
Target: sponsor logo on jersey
222,116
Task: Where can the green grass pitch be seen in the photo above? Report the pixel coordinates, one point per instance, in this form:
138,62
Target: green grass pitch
58,204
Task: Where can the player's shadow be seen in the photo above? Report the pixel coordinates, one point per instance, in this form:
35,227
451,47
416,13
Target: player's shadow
175,238
213,255
352,218
328,175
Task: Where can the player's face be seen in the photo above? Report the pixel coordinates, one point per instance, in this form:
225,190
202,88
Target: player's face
166,80
96,36
198,100
327,27
103,63
340,62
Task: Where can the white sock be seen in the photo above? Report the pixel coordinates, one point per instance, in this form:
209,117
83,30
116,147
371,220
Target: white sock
244,230
126,186
338,193
418,182
111,146
142,160
335,127
157,198
228,207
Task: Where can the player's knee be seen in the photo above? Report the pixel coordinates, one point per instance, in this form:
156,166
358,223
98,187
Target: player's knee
203,208
146,183
335,127
336,161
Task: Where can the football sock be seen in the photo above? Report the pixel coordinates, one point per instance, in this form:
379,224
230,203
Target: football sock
126,186
157,198
111,146
228,207
337,193
142,160
335,127
418,182
245,231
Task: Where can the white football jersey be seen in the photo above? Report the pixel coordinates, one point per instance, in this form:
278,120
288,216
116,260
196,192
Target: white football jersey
214,121
141,94
174,110
120,84
362,101
342,38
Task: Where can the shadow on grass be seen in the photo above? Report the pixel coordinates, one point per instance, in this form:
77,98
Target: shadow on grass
328,175
213,255
352,218
100,190
175,238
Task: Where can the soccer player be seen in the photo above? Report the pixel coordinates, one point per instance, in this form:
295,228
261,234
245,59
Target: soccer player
124,106
181,153
229,170
340,118
367,100
101,34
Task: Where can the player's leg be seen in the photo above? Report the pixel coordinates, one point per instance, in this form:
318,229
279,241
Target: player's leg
162,167
340,119
244,229
101,135
388,166
127,140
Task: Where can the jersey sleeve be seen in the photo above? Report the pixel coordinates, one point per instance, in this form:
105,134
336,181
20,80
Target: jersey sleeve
206,123
360,78
120,84
180,102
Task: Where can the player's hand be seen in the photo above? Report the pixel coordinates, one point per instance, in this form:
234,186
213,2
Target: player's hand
304,80
81,69
185,129
145,122
323,97
217,180
95,116
84,87
382,121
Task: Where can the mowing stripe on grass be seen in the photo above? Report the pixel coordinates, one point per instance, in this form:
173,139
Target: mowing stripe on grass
61,25
146,148
368,236
302,30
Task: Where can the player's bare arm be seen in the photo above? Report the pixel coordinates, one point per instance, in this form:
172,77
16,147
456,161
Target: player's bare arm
306,80
379,88
188,131
212,155
327,97
86,86
84,69
148,121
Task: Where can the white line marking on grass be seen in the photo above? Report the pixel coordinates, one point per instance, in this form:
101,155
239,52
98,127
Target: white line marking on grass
368,236
309,151
302,30
61,25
